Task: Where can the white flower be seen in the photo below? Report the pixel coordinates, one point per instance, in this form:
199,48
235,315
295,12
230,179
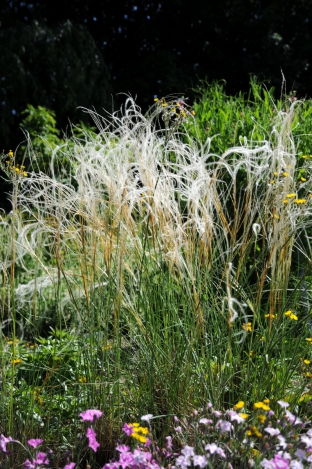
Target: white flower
200,461
272,431
296,464
283,404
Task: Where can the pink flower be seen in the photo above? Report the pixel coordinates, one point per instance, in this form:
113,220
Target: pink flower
139,457
205,421
91,435
125,460
169,442
4,441
147,443
123,448
200,461
188,451
183,462
35,442
88,415
42,458
29,465
214,449
235,417
71,465
278,462
147,417
224,426
128,429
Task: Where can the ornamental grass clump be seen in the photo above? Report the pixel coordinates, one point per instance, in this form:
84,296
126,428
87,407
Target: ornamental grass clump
138,190
172,271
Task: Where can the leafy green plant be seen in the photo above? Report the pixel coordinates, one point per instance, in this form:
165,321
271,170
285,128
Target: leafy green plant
43,140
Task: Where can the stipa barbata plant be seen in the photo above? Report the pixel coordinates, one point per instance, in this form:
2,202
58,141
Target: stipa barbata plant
141,196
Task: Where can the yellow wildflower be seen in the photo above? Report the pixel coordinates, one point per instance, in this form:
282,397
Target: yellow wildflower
300,201
258,405
285,201
139,432
309,339
285,174
307,362
303,179
261,405
256,452
253,431
304,156
15,362
266,401
289,196
262,418
239,405
244,416
247,327
140,438
11,154
291,315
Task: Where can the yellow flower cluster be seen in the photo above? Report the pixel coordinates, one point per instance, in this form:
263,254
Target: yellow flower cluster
247,327
174,109
264,405
291,315
15,169
271,316
139,432
253,431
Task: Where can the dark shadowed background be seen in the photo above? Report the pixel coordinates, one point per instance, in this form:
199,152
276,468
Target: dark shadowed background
87,52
